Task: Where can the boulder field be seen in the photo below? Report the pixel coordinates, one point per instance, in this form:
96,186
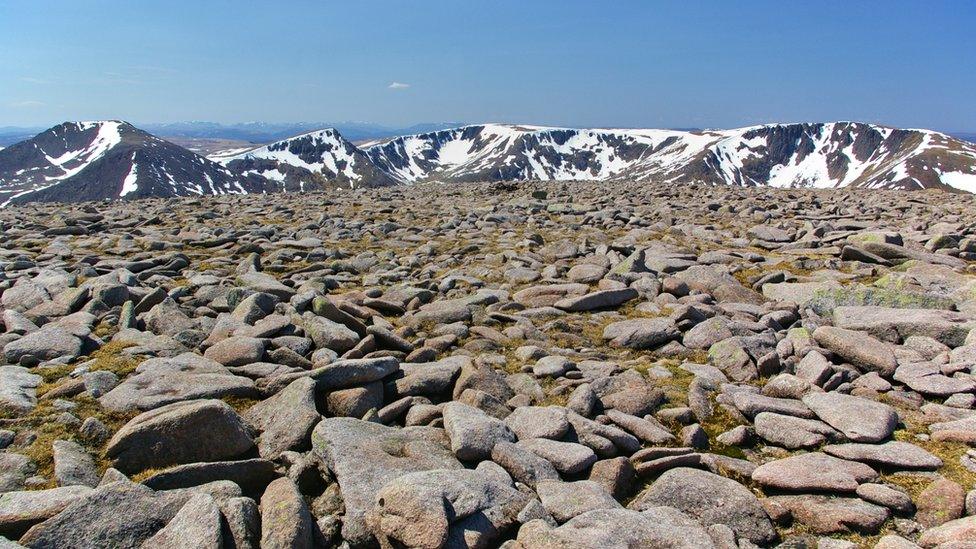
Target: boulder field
532,365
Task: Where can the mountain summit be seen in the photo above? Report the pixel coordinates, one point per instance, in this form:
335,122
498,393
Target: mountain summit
318,159
78,161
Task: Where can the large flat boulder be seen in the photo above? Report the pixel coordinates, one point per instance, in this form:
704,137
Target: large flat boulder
182,432
365,457
894,325
618,528
861,349
445,508
48,343
119,514
711,499
860,419
18,389
833,515
813,472
641,333
21,510
161,381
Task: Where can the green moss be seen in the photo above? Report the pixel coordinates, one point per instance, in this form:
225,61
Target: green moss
41,423
676,386
111,358
719,422
240,404
143,475
749,275
824,301
103,330
549,386
50,375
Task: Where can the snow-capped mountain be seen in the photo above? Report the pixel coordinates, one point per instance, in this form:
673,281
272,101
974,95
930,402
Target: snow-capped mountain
837,154
315,160
78,161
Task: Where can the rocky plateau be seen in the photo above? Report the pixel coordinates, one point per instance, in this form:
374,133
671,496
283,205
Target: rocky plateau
522,365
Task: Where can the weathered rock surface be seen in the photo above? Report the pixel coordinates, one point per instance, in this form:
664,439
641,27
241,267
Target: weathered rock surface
654,527
711,499
445,508
178,433
365,457
813,472
859,419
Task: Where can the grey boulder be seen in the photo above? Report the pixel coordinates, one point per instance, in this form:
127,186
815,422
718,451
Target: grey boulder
21,510
861,349
18,388
48,343
161,381
565,500
712,499
641,333
472,432
285,420
178,433
813,472
286,522
197,525
860,419
119,514
365,456
618,529
445,508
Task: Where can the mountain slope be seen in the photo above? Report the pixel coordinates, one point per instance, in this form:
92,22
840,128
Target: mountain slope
841,154
78,161
787,155
315,160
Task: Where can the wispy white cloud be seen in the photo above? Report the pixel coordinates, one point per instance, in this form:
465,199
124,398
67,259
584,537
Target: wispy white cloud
33,80
114,77
154,69
398,86
26,104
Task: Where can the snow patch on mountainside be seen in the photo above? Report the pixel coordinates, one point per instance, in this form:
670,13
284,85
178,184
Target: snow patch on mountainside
959,180
129,184
107,137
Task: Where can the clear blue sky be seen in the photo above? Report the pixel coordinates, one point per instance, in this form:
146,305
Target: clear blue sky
559,62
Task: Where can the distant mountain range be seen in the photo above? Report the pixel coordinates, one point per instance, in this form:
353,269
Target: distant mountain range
252,132
264,132
112,159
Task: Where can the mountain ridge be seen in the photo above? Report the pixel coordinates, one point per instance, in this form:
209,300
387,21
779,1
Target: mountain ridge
112,159
802,154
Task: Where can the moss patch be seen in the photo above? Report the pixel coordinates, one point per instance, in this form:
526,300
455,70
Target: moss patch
41,423
111,358
240,404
